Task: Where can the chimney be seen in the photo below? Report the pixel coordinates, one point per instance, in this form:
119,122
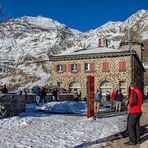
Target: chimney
102,42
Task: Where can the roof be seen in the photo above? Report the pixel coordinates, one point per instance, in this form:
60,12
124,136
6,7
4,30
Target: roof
93,50
90,53
99,52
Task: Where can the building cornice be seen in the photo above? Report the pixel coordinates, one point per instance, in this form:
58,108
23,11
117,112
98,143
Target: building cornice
90,56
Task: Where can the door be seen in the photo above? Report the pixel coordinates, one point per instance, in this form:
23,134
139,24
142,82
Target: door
90,102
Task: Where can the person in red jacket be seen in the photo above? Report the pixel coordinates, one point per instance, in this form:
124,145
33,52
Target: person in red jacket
113,97
135,112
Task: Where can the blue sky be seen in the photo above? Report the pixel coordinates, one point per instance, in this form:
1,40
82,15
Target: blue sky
78,14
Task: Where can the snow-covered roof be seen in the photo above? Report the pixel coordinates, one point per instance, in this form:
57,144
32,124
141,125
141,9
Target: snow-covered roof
97,50
94,50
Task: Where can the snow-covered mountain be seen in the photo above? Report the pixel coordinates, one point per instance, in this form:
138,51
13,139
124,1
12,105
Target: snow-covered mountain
27,40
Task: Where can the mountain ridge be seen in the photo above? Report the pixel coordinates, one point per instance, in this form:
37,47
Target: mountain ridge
30,39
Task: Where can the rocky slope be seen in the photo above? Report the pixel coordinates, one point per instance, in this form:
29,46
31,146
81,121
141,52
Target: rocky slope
27,40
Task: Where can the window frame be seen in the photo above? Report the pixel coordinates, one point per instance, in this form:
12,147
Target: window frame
74,67
59,68
88,67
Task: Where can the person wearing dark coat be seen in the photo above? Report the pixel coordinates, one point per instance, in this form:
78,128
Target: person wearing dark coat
119,98
38,94
43,95
54,94
4,89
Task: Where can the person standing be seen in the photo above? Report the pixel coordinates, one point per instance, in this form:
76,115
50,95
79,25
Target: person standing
43,95
113,98
4,89
98,97
119,98
108,98
38,95
135,112
75,95
54,94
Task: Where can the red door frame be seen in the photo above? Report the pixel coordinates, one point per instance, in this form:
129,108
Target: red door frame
90,100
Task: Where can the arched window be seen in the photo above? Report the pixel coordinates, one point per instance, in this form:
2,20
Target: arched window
74,85
123,87
105,86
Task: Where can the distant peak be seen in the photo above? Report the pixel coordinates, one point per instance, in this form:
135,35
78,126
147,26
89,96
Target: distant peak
42,21
142,11
112,22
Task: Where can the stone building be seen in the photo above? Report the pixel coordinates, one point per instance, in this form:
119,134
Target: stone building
111,68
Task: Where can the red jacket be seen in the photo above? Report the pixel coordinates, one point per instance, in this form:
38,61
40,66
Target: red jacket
136,108
113,95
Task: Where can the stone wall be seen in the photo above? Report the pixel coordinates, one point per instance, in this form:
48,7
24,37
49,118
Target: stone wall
113,76
138,74
137,48
30,98
12,104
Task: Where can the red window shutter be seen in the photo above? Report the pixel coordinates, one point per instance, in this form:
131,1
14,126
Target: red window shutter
69,67
103,66
64,67
55,68
122,65
92,67
79,66
107,66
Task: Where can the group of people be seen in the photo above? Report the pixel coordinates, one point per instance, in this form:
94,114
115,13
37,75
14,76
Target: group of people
134,104
40,95
117,98
114,99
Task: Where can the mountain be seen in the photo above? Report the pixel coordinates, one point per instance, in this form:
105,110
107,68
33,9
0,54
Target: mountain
26,43
26,40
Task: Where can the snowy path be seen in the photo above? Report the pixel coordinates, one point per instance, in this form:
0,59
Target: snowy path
40,130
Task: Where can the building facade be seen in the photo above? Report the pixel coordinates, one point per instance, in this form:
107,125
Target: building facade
111,69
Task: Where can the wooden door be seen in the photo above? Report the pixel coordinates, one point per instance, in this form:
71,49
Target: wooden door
90,100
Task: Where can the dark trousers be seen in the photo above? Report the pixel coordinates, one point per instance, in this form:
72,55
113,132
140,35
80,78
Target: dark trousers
133,124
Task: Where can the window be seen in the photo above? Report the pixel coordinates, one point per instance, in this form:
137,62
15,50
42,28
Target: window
123,87
74,85
74,67
59,68
105,86
122,65
105,66
87,67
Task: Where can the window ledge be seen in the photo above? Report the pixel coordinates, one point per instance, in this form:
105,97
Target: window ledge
60,71
105,70
74,71
86,71
122,70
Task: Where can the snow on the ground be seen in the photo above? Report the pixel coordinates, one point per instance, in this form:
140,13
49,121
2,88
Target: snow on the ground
45,130
65,107
71,107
